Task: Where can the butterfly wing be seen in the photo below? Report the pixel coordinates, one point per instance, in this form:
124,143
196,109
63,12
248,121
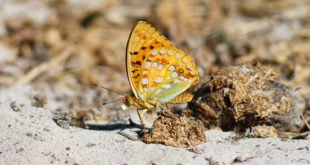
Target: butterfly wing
166,73
142,40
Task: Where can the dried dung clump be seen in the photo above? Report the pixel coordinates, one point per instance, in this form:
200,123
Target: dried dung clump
244,96
175,130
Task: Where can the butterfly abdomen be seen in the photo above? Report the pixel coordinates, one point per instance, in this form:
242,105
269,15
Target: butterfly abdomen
182,98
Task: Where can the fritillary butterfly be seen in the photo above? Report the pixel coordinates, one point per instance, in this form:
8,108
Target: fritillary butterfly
157,71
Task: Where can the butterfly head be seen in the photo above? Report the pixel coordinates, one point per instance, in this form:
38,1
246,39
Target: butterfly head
129,100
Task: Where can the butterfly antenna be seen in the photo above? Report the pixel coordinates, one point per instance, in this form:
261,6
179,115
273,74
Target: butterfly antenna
109,89
105,103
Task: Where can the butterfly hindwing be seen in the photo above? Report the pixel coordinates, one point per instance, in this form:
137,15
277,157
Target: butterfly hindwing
166,73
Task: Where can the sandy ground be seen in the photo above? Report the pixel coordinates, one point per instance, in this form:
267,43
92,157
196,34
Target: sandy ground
29,135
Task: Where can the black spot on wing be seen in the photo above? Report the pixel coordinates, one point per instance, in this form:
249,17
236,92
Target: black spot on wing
137,63
133,53
133,71
136,76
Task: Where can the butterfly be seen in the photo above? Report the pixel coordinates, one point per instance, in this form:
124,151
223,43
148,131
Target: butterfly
157,71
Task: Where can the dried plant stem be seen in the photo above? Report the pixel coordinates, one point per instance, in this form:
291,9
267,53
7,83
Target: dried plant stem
305,120
57,60
128,136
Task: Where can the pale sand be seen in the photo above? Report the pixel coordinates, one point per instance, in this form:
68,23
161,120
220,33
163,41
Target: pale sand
28,135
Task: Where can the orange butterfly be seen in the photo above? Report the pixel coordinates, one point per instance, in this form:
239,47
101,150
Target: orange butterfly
157,71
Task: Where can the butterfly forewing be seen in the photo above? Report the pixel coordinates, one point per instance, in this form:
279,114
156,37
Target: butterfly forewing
142,40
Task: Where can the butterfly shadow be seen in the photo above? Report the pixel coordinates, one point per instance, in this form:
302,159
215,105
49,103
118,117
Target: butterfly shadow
112,127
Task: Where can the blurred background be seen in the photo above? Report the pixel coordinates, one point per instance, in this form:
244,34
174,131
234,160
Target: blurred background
60,48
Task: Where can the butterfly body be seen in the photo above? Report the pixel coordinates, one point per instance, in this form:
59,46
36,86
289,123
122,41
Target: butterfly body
157,71
132,100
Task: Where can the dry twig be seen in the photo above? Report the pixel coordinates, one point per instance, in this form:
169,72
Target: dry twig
57,60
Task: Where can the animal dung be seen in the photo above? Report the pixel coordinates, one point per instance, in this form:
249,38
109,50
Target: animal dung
175,130
241,97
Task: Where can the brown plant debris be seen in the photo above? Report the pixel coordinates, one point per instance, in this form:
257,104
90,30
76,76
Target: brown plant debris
263,131
175,130
244,96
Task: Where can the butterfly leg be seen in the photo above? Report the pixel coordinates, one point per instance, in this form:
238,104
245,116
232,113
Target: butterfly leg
165,108
141,120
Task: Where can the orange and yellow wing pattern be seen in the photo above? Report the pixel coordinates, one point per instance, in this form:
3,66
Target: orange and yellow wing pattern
155,68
